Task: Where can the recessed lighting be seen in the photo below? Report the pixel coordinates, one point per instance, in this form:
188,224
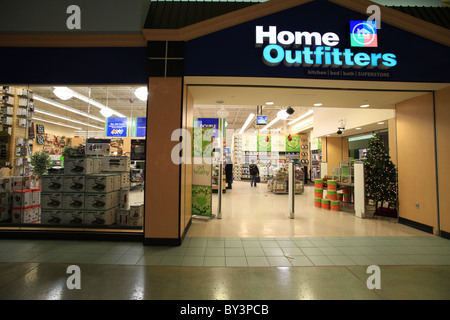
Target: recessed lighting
358,128
381,122
364,105
269,103
317,104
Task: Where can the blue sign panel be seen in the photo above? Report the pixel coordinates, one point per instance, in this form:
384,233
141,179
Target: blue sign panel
141,127
116,126
208,122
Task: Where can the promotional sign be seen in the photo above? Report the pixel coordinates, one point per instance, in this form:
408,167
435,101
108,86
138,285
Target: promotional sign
208,123
116,126
97,147
201,171
292,143
141,127
264,143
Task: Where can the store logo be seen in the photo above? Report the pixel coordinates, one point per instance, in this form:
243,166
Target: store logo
363,34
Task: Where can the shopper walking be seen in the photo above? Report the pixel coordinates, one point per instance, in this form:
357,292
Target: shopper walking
254,172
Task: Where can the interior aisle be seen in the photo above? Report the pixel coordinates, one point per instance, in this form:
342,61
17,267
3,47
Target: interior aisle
256,212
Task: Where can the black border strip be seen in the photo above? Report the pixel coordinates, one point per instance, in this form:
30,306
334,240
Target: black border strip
416,225
445,234
71,235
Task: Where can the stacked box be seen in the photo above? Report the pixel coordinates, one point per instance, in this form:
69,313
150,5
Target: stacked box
99,183
78,166
5,206
30,214
100,217
136,214
101,201
115,164
74,183
73,217
52,183
124,199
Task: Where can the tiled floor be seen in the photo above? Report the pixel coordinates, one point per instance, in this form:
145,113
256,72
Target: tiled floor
238,252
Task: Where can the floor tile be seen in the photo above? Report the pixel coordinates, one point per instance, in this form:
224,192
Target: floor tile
233,244
236,262
269,244
301,261
214,262
341,260
254,252
176,251
271,252
312,251
195,251
234,252
321,261
149,260
128,259
279,262
251,244
257,262
215,252
192,261
215,243
171,260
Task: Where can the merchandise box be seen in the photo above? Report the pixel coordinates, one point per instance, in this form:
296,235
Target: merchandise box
73,217
99,183
124,199
136,211
115,164
5,214
135,221
98,147
5,200
36,196
78,166
124,180
52,183
31,214
74,183
20,183
51,200
100,217
5,184
97,165
22,198
75,201
116,181
122,217
101,201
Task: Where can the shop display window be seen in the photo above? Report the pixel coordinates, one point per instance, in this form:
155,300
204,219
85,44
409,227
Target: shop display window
65,156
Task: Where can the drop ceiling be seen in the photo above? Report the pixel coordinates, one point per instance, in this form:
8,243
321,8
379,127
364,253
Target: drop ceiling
240,96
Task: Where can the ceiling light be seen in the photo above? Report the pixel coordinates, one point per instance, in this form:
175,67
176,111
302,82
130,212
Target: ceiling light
91,101
364,105
301,117
63,93
358,128
106,112
317,104
247,122
65,118
269,103
64,107
58,123
282,114
302,124
271,123
381,122
141,93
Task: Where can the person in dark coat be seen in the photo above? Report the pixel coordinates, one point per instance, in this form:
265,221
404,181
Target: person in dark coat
254,172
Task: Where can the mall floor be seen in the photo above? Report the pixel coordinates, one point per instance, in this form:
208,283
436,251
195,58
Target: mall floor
255,252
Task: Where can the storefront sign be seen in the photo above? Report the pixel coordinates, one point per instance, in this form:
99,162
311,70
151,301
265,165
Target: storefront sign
317,49
116,127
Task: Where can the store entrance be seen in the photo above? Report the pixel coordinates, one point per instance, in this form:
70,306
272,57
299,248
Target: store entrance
322,131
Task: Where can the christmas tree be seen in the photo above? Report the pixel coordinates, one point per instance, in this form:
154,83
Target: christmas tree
380,174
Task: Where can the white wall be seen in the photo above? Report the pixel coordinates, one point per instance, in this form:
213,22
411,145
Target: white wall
326,120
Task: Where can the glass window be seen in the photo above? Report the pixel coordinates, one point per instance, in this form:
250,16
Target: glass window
73,156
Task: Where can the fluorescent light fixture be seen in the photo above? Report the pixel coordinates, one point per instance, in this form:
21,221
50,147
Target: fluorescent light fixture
247,122
58,123
364,105
269,103
282,114
142,93
63,93
64,107
302,125
358,128
317,104
271,123
106,112
65,118
301,117
91,101
381,122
